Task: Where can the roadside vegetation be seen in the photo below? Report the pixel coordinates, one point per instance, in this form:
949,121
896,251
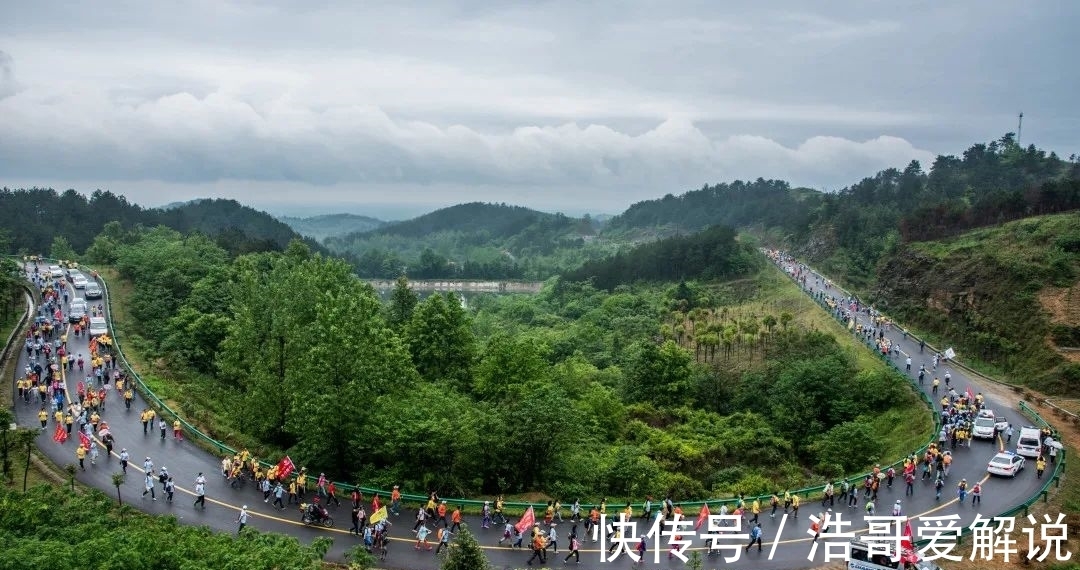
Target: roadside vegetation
50,527
575,392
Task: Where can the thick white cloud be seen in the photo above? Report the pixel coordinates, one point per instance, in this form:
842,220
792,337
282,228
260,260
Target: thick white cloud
540,104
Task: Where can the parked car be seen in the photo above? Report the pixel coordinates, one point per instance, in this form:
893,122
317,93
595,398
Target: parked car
98,326
1005,463
78,311
92,291
79,281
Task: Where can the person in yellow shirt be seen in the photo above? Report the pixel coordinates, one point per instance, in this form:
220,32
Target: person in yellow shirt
756,509
43,417
176,432
1040,466
301,484
129,396
795,505
80,453
68,421
58,417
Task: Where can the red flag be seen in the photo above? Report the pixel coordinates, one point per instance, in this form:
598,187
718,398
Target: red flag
60,436
84,440
908,554
285,467
702,516
905,542
527,520
970,396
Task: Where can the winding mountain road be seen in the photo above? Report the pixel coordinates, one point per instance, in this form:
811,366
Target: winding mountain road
184,461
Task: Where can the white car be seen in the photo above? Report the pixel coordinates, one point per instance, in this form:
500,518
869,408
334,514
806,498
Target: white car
56,272
79,281
999,421
98,327
1005,463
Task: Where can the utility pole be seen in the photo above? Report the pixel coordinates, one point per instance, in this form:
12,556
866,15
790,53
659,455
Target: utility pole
1019,128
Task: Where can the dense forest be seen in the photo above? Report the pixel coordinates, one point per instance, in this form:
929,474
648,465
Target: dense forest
710,254
768,203
77,219
576,391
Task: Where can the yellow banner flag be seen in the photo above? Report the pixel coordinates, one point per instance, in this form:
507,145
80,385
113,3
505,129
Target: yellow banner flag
377,515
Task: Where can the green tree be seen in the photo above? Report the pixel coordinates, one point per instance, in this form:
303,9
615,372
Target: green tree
466,554
351,357
106,245
61,249
117,481
403,302
769,321
266,349
441,340
532,441
661,374
847,447
509,361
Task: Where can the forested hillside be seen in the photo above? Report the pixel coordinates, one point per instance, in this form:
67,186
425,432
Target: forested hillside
322,227
766,203
848,232
36,217
475,240
710,254
1007,296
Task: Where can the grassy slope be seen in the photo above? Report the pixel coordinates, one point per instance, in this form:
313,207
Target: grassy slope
980,292
902,430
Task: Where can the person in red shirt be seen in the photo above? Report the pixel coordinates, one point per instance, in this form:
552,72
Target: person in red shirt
331,491
442,514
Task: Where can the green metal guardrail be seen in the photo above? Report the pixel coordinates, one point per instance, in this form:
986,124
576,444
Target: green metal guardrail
510,507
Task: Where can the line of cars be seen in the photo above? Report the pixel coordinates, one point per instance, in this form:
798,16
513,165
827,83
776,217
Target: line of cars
1011,463
79,307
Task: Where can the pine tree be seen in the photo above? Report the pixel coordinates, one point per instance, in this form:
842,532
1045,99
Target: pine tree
466,554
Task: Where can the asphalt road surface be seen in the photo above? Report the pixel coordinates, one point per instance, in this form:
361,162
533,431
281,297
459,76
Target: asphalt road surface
184,461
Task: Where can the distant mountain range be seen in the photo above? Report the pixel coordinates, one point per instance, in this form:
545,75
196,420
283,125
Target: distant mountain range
326,225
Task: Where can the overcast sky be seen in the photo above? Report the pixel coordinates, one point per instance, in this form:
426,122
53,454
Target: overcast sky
572,106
